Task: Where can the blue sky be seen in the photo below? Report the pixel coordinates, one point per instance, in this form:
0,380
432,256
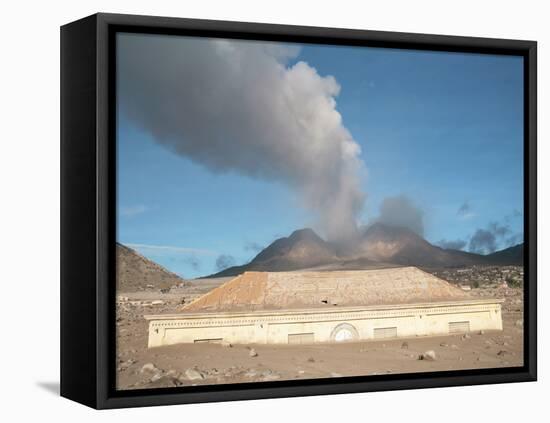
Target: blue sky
443,129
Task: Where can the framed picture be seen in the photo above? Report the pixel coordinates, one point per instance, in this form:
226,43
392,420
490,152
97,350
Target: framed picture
258,211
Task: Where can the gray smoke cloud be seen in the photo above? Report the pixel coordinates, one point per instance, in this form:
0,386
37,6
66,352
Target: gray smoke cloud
224,261
241,106
483,242
191,261
488,240
457,244
464,209
401,211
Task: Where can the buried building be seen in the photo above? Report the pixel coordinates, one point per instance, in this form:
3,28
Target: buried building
331,306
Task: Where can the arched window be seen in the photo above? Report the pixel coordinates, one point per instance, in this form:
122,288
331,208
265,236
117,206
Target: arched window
344,332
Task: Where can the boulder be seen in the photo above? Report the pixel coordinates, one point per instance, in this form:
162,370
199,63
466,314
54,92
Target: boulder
149,368
428,356
193,374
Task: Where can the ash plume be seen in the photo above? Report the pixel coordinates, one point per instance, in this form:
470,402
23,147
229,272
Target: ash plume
456,244
496,235
242,106
400,211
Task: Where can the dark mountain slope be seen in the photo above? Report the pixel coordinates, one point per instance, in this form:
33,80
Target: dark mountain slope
379,245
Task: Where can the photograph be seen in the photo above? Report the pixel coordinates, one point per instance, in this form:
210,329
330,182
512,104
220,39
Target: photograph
299,210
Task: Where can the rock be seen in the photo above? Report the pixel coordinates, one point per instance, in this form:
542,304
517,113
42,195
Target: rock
428,356
156,377
268,375
149,368
334,374
481,332
157,302
226,344
466,336
454,347
519,323
124,365
253,353
311,360
251,373
443,344
405,345
193,374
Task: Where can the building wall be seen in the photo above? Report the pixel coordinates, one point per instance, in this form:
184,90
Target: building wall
326,325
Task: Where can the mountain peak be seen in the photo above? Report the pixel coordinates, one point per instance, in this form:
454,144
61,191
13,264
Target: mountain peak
135,272
379,243
303,234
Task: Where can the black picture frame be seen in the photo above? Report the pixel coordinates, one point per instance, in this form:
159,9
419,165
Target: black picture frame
88,196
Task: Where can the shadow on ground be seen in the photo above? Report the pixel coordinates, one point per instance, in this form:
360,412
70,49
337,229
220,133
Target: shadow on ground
51,387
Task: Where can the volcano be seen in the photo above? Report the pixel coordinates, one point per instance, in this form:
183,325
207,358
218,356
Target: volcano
379,245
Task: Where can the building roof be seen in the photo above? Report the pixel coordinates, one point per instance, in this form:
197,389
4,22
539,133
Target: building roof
298,290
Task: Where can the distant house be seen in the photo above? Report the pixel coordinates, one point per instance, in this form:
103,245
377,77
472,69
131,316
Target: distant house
332,306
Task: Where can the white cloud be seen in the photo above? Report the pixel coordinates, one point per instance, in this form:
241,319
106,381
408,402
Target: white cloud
131,211
171,249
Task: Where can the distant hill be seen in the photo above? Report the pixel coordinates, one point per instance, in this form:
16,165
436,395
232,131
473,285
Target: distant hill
135,272
379,245
402,246
509,256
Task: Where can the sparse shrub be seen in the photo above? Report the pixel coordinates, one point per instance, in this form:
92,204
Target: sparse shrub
513,283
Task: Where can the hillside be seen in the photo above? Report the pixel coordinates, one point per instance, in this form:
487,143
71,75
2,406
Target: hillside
509,256
379,246
135,272
402,246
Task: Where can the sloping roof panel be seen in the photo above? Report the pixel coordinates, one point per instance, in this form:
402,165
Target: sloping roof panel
298,290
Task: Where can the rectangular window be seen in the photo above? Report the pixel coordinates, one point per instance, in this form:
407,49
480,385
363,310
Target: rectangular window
300,338
208,341
380,333
459,327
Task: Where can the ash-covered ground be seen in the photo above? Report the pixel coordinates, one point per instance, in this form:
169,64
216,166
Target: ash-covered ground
193,364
